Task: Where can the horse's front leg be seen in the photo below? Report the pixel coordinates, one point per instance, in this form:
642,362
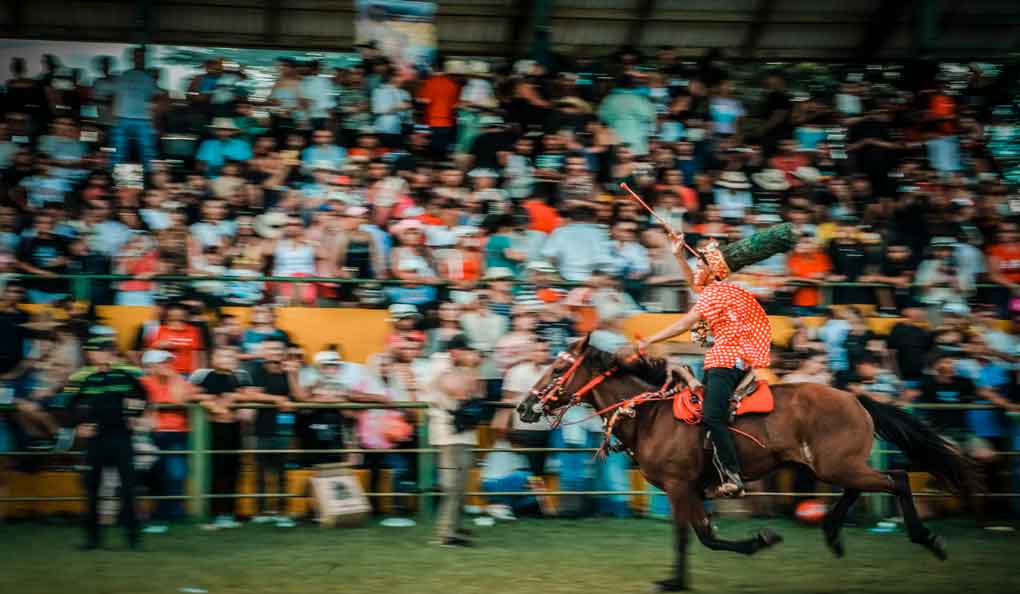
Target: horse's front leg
678,498
702,524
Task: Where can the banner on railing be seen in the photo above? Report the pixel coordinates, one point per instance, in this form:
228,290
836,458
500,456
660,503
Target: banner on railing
338,496
402,30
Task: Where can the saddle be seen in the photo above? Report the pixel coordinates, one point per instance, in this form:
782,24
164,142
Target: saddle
750,396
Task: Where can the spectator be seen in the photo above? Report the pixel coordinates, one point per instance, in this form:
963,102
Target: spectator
176,335
165,387
517,385
941,278
631,115
809,265
353,105
391,106
725,110
263,329
224,146
868,378
440,95
134,109
631,263
42,253
276,380
294,257
411,262
452,382
323,150
910,341
140,260
579,247
1004,264
319,97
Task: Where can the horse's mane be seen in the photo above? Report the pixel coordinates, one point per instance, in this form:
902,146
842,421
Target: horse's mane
651,370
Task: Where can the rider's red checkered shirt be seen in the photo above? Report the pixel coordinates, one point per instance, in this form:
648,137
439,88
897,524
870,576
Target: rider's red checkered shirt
740,328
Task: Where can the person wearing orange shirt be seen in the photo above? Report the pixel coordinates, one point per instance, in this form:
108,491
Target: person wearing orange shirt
808,264
1004,265
439,95
944,144
180,338
163,385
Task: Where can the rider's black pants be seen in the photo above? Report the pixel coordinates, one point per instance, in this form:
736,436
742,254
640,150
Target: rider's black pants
720,383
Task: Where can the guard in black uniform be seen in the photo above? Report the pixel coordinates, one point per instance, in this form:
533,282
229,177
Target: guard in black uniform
105,399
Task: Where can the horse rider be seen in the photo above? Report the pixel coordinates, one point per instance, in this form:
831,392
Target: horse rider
742,337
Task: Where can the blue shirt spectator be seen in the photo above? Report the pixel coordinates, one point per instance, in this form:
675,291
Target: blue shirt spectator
135,88
322,151
577,249
214,152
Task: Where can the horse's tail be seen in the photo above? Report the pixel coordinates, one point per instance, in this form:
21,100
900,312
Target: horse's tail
923,446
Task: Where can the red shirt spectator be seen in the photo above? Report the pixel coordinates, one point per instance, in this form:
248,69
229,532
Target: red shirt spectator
179,338
439,94
544,218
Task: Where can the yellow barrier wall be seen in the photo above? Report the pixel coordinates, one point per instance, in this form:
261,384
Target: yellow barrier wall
362,332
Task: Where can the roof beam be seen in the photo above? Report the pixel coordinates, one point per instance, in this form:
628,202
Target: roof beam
520,25
762,14
883,22
636,31
271,21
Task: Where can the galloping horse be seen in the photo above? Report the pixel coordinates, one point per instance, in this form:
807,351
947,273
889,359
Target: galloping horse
826,430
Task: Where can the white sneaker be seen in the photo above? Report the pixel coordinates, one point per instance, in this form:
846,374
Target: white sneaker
285,522
501,512
263,519
156,529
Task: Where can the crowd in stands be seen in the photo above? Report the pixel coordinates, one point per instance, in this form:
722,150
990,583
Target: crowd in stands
483,201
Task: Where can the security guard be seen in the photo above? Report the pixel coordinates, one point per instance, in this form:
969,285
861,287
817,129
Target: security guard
105,400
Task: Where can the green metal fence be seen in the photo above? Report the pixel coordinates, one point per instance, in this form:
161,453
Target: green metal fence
199,454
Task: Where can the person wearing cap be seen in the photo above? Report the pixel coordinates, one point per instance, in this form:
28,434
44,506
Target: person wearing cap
164,386
105,400
452,381
224,146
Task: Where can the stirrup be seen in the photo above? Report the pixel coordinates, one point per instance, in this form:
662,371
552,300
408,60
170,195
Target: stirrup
728,489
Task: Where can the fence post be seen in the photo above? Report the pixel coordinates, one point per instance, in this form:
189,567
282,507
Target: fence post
1014,464
879,503
425,468
198,443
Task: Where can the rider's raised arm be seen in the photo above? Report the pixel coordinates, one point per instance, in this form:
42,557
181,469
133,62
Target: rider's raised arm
681,259
685,323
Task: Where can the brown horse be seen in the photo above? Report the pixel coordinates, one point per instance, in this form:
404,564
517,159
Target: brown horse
826,430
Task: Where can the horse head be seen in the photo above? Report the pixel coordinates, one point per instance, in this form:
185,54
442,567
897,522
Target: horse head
556,388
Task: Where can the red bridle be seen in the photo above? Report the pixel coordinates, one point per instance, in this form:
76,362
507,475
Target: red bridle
555,388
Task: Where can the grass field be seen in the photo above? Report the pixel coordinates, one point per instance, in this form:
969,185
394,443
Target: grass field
525,557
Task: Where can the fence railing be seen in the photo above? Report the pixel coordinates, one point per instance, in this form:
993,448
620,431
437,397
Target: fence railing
80,285
199,454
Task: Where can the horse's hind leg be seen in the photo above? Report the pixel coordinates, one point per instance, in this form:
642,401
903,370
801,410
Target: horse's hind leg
895,482
764,539
834,520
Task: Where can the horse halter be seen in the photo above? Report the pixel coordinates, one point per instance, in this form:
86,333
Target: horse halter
555,389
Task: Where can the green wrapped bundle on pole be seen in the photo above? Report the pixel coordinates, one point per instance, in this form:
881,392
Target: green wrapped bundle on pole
760,246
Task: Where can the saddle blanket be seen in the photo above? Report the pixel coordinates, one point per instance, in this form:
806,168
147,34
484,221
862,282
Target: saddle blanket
687,404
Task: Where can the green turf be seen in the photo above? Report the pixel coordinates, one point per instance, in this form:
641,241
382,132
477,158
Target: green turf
525,557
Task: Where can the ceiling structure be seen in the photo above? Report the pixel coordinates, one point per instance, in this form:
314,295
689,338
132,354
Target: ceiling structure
745,29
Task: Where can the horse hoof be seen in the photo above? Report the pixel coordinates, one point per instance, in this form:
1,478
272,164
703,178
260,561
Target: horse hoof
836,546
671,585
768,537
937,545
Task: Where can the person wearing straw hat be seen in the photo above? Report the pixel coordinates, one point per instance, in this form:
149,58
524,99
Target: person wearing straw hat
224,146
732,195
742,333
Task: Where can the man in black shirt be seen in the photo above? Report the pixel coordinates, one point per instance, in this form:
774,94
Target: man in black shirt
277,379
45,254
494,139
227,384
910,342
778,114
105,404
12,327
944,386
